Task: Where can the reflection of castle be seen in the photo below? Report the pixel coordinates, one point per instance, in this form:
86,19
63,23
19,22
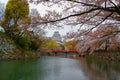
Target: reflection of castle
56,36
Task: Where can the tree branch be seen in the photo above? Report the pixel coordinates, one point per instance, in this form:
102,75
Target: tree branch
86,4
72,15
109,9
87,31
115,6
101,21
89,19
105,3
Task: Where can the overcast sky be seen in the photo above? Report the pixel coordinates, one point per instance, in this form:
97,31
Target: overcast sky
42,10
4,1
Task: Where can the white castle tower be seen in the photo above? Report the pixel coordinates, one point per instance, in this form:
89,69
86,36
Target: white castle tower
56,36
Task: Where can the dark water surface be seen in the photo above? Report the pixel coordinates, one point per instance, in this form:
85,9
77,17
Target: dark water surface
54,68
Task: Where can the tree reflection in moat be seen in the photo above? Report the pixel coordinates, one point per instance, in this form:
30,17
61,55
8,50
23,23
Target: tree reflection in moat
54,68
101,70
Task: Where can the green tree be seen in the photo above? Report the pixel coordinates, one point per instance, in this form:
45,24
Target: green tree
51,44
16,11
72,45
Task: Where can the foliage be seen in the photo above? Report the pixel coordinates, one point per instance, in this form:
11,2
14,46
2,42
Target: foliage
16,10
25,46
24,42
90,15
51,44
100,39
91,12
31,42
28,52
72,45
16,25
62,46
37,43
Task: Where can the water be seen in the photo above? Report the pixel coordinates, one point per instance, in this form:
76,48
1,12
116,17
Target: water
54,68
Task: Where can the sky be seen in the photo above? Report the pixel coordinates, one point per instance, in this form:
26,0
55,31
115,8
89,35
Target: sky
49,31
4,1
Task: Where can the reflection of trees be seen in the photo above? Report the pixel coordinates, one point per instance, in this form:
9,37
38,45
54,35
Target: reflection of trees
101,70
93,72
20,70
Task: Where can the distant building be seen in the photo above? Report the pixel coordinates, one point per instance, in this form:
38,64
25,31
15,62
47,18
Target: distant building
57,37
34,13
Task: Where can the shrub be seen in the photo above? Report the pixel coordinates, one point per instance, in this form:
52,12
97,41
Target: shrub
36,43
24,42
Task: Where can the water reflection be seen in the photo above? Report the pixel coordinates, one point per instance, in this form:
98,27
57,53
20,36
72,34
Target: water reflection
102,70
53,68
63,69
19,70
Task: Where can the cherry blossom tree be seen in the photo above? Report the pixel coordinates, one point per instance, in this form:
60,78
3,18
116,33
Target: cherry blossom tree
103,38
100,17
